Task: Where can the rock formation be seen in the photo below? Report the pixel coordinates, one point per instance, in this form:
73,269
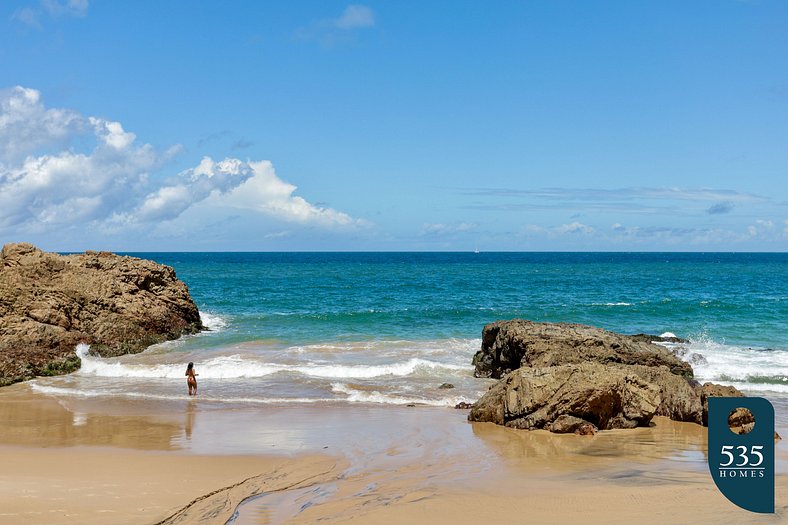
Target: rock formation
509,345
607,397
564,377
49,303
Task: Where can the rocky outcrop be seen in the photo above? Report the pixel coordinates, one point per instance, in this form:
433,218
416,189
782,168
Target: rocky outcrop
49,303
533,398
560,377
509,345
680,398
708,390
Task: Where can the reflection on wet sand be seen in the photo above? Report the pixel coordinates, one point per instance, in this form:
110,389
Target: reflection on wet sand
190,413
42,421
539,449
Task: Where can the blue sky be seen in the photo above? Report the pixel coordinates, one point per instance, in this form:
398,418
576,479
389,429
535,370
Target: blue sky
323,125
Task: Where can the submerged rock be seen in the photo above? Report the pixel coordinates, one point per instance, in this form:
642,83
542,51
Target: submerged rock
49,303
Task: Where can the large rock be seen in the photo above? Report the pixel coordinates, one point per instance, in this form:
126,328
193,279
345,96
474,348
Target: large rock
537,358
680,398
534,398
49,303
708,390
509,345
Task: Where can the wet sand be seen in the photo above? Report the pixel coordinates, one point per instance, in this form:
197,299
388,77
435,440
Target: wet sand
99,460
99,485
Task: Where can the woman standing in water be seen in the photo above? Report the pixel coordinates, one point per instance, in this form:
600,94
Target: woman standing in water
191,379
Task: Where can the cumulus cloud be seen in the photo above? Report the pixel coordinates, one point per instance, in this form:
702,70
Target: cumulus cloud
65,186
263,191
26,125
114,183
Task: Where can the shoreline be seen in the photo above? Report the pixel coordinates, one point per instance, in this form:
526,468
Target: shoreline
69,461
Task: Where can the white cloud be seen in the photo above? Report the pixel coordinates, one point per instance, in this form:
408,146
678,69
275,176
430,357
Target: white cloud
264,192
112,133
65,186
355,16
574,228
26,126
113,184
761,228
447,229
333,31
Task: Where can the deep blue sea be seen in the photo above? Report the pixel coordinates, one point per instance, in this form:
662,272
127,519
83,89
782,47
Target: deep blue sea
390,328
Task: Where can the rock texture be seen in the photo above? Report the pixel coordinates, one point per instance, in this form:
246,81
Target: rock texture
711,390
606,397
509,345
564,377
49,303
570,424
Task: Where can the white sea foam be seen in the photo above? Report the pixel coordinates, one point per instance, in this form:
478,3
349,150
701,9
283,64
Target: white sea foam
373,396
746,368
213,322
92,393
237,366
409,367
667,334
349,395
611,304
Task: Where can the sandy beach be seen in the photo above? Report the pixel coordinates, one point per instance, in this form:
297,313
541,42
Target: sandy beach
83,460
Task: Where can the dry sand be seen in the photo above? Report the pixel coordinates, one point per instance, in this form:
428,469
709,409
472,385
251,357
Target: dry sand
84,461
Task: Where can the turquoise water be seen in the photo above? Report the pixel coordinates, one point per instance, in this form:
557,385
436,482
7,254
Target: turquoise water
306,297
391,327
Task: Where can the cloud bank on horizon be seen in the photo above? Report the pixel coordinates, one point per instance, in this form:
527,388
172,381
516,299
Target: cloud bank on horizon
60,169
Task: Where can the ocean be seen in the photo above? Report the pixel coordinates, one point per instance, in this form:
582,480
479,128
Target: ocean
391,328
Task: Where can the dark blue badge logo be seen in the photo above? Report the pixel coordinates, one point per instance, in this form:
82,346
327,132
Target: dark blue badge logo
741,457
